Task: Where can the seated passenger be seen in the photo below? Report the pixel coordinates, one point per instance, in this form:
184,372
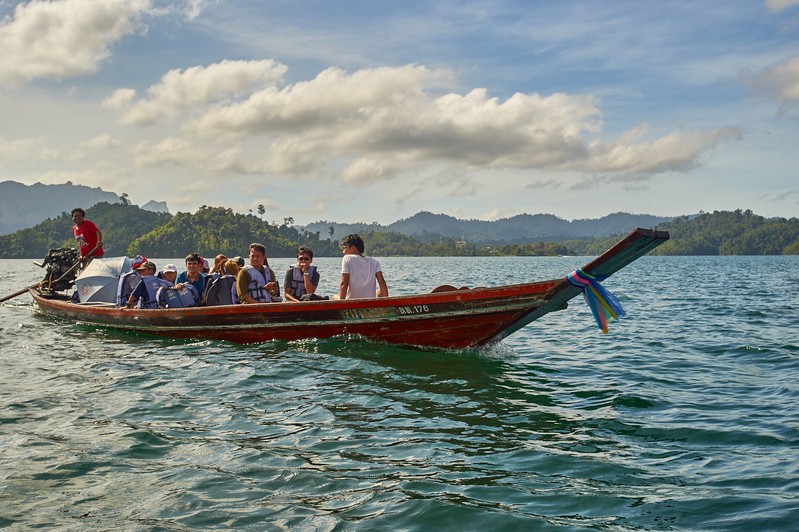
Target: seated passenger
193,275
169,273
301,278
222,290
359,272
128,281
146,292
215,273
256,282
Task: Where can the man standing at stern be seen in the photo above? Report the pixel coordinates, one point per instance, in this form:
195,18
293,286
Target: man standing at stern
87,234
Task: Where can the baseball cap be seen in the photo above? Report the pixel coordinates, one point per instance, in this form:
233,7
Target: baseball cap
170,268
137,262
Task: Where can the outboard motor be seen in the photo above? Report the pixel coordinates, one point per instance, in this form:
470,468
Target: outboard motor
59,261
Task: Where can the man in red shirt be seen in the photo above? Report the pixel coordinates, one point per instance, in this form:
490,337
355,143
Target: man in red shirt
87,234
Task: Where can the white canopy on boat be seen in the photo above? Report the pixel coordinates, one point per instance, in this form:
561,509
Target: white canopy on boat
98,281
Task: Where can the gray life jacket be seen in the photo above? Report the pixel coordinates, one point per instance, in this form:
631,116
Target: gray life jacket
298,281
222,291
257,286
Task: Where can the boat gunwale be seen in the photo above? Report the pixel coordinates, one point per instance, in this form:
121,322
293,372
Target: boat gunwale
538,288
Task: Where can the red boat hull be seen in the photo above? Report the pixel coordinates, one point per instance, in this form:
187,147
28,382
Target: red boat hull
445,319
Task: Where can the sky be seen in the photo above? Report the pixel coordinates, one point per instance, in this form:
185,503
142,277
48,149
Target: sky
364,111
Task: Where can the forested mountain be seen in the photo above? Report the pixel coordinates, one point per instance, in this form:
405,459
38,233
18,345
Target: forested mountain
213,230
127,229
24,206
396,244
731,233
718,233
523,228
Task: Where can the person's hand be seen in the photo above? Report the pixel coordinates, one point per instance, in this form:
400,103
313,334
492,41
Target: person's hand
271,287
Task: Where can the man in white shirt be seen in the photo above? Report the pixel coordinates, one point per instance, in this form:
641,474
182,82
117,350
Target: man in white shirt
359,274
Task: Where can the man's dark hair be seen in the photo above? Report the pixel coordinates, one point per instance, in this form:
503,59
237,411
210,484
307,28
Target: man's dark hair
304,250
78,209
353,240
194,257
260,248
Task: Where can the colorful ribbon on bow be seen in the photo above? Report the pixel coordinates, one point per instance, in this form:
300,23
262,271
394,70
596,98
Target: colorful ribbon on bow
602,303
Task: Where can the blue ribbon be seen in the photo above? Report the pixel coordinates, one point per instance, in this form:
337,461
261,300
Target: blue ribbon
602,303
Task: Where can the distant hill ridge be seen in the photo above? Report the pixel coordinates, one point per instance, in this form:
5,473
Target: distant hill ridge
427,227
23,206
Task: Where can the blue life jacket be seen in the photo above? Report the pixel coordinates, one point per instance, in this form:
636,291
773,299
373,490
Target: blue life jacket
127,282
152,285
172,297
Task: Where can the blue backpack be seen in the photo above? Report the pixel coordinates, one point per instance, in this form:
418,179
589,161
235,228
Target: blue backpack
172,297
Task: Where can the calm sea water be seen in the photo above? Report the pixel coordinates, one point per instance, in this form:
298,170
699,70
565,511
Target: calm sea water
684,417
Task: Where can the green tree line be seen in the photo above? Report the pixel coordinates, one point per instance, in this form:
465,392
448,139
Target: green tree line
130,230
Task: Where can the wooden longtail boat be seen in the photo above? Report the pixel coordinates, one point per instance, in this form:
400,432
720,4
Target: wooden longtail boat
446,318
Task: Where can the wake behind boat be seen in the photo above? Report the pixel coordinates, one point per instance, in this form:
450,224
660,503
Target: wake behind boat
448,317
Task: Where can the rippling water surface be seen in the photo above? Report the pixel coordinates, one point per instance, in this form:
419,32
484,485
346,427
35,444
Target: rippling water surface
685,416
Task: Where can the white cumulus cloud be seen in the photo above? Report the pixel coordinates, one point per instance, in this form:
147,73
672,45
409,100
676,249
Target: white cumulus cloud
63,39
632,154
182,90
376,124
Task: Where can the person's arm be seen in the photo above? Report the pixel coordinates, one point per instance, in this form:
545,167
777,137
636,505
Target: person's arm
383,286
289,297
99,235
311,281
135,295
343,286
